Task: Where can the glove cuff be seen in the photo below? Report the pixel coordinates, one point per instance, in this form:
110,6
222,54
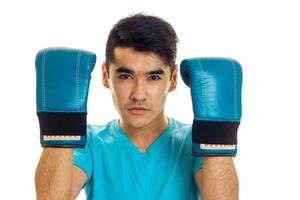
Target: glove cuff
214,138
62,129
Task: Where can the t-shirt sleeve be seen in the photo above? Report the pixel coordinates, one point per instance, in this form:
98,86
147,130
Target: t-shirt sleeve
82,157
198,164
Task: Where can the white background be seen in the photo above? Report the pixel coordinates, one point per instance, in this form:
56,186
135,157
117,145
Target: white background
263,35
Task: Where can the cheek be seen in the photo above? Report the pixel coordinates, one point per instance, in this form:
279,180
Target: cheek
159,92
120,92
156,92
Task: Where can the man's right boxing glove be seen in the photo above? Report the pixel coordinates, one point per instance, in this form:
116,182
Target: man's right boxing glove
62,83
216,86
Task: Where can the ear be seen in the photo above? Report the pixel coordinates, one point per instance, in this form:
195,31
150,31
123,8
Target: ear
174,79
105,76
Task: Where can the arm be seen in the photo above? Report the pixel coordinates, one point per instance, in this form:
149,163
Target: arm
218,179
55,177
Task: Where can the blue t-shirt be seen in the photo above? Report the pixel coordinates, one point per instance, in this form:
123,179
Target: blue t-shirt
117,169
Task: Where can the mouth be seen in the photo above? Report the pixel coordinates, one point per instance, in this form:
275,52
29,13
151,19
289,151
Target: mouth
138,110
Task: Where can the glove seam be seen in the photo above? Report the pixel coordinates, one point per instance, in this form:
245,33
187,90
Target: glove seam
77,80
202,90
44,81
234,89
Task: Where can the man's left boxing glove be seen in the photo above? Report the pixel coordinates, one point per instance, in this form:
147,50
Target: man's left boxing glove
62,83
216,87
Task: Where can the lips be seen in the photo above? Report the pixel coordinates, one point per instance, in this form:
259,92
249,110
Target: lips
137,110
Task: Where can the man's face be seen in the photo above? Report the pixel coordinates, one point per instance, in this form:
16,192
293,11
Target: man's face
139,82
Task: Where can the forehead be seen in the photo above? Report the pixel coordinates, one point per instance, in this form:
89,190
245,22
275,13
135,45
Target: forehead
138,61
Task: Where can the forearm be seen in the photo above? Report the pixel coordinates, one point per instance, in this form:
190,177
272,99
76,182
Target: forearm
219,180
54,174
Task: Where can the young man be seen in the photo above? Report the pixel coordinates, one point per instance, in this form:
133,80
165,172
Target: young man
144,154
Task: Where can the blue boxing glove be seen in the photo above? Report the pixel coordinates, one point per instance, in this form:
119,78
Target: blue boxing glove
62,82
216,86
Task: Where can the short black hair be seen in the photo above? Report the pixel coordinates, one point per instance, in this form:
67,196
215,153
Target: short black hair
145,33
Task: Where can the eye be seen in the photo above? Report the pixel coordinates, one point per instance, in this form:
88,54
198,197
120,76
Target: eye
124,76
154,77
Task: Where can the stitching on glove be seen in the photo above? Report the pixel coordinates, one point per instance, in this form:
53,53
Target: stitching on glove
43,81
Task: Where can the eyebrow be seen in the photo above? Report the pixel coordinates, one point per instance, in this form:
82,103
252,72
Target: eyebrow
124,69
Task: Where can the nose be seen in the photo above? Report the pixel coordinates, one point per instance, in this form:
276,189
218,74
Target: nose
139,91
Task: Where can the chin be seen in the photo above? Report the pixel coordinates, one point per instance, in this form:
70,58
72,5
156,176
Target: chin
137,121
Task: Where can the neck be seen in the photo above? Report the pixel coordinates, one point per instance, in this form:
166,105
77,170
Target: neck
144,136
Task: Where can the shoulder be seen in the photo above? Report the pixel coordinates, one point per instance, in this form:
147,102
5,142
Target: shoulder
102,132
180,130
180,125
